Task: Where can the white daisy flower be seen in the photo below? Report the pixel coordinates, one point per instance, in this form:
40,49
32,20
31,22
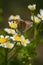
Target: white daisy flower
17,17
12,17
32,7
8,45
24,41
36,19
10,31
13,24
41,14
3,39
16,37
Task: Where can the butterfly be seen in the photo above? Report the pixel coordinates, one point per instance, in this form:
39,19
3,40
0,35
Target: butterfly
23,25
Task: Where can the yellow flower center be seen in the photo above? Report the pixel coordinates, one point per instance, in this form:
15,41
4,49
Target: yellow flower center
3,40
17,38
13,25
23,41
15,17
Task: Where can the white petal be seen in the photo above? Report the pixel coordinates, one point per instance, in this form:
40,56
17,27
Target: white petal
9,22
41,12
12,45
2,36
31,17
27,41
11,17
22,37
34,5
6,36
11,38
38,15
6,29
4,46
18,17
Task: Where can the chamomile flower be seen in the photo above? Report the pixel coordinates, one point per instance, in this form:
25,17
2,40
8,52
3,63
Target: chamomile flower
8,45
13,24
41,14
24,41
36,19
3,39
17,17
32,7
16,38
10,31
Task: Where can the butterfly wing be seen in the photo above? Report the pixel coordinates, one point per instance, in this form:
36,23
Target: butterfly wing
24,25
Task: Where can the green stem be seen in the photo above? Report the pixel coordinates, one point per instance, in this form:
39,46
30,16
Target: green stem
6,54
35,32
34,27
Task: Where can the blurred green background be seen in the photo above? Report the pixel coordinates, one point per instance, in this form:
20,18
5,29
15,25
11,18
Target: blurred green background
19,7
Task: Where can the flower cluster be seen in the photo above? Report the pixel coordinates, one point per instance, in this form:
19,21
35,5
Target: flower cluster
13,29
37,19
16,41
15,36
4,42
